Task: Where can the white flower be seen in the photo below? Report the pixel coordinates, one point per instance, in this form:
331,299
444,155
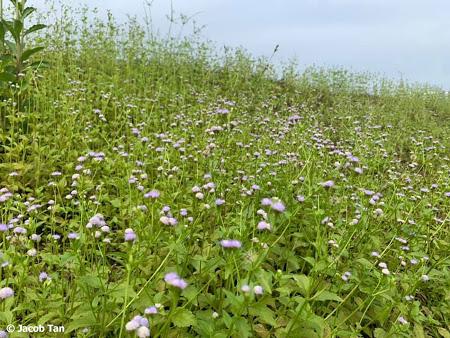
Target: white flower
143,332
245,288
402,320
132,325
258,290
425,278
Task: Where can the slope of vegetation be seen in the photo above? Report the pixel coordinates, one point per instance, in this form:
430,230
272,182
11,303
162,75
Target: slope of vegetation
154,185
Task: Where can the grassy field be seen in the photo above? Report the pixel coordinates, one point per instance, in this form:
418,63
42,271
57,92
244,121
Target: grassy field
157,185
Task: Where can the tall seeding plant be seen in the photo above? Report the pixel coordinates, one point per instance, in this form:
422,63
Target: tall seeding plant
15,55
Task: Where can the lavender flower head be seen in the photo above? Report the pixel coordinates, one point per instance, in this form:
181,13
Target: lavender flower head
266,202
73,235
43,276
230,243
220,201
129,235
278,206
139,324
152,310
6,293
152,194
264,226
172,278
327,184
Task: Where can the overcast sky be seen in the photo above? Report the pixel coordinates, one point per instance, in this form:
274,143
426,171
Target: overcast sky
394,38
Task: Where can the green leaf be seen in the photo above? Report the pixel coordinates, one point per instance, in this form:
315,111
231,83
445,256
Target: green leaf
2,32
443,332
119,291
379,333
304,283
243,328
90,281
82,322
11,46
29,52
418,331
45,318
16,30
7,77
116,203
325,295
35,28
183,318
39,64
27,11
6,317
264,314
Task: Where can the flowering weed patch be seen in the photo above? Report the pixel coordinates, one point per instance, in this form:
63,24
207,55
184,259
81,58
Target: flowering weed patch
158,189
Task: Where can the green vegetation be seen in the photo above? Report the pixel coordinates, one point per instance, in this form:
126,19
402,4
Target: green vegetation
157,177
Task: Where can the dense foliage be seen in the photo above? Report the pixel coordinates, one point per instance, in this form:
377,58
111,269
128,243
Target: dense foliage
154,185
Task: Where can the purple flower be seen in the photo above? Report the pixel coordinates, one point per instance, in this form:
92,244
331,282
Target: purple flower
6,293
96,220
43,276
129,235
300,198
168,220
173,279
327,184
152,194
266,202
151,310
183,212
73,235
219,201
3,227
278,206
230,243
263,226
140,325
20,230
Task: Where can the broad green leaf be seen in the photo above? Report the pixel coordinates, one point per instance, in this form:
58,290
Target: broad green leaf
325,295
7,77
264,314
35,28
45,318
418,331
27,11
90,281
304,283
82,322
183,318
242,327
29,52
6,317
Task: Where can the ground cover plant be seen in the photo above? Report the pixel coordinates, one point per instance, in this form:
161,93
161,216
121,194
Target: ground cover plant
154,185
